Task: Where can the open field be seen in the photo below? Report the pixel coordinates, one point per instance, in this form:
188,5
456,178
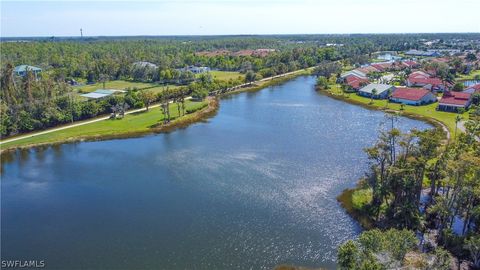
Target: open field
158,89
139,122
118,85
425,111
226,75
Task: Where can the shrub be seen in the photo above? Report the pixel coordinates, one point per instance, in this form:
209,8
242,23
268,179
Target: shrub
361,198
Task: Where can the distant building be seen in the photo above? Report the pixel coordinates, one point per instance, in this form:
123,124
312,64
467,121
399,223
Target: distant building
196,70
388,56
100,93
368,69
423,53
473,89
452,101
354,72
23,69
144,64
376,90
413,96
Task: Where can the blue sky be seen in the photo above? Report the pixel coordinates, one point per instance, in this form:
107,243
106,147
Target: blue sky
216,17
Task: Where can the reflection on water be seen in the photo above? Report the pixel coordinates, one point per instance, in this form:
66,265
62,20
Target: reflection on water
253,187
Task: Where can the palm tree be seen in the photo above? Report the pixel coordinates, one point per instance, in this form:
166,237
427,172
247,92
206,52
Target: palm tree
374,93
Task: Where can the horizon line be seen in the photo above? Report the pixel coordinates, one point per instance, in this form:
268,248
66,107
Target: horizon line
223,35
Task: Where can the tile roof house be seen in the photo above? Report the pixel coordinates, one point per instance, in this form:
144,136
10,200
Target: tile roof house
376,90
355,82
473,89
423,79
452,101
410,63
383,66
413,96
368,69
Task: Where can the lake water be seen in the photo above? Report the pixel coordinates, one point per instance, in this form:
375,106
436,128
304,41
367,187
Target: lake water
253,187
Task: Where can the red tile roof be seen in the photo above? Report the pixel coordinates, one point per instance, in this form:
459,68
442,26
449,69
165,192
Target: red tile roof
368,69
422,80
410,63
455,98
475,86
382,66
354,81
414,94
418,74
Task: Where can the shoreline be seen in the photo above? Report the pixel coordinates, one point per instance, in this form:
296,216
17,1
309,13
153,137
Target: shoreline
432,121
345,197
201,115
182,122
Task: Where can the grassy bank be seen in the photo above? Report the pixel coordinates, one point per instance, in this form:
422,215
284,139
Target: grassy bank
426,112
134,124
227,75
139,123
346,201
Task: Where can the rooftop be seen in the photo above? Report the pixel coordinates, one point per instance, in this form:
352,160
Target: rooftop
380,88
23,68
410,93
455,98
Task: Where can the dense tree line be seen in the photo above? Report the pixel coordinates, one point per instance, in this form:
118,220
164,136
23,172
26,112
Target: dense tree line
29,104
417,183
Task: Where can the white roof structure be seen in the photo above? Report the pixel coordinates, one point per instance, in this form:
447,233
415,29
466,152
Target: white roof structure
95,95
144,64
100,93
354,73
380,88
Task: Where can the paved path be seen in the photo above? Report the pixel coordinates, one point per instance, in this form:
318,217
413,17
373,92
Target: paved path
86,122
77,124
461,126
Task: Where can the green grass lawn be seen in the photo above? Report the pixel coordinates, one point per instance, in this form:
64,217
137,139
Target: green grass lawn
470,76
426,110
226,75
117,85
159,89
132,123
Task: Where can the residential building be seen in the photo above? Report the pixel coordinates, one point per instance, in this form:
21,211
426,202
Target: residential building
144,64
196,70
473,89
413,96
423,79
376,90
355,73
355,82
23,69
368,69
452,101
